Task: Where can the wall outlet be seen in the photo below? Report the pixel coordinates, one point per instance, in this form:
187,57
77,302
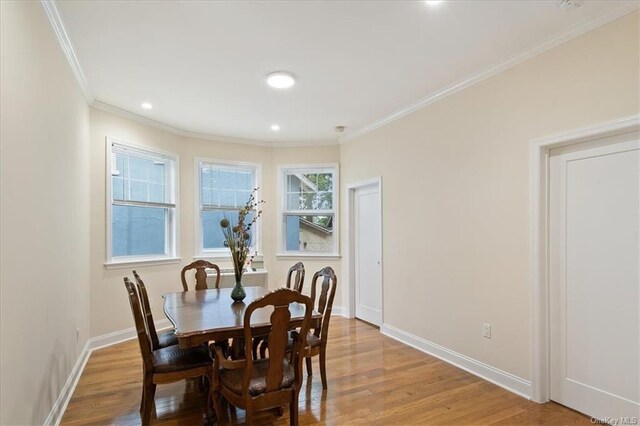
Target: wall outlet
486,330
77,335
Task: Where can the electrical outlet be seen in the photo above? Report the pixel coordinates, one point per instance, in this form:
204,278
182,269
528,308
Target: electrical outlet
77,335
486,330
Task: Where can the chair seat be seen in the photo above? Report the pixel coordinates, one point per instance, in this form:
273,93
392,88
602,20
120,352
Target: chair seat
172,359
232,379
167,339
312,340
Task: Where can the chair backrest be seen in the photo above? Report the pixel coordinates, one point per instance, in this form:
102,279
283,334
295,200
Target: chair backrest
280,299
325,298
141,331
146,311
298,282
201,274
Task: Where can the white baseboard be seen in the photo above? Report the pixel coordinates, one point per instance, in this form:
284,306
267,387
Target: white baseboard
57,411
123,335
337,311
98,342
491,374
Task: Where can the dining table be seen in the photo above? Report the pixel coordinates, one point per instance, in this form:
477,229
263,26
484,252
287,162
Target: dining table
211,315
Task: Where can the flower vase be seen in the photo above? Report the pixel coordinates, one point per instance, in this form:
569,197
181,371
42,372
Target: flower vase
238,294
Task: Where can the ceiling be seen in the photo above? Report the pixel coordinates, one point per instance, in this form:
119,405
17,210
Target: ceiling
203,64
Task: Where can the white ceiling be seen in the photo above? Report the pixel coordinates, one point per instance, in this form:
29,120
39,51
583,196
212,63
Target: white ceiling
202,64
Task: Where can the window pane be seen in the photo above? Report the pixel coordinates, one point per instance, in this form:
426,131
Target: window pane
309,191
212,237
138,177
310,233
138,231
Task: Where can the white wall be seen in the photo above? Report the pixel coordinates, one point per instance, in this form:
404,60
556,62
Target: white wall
109,306
44,229
456,199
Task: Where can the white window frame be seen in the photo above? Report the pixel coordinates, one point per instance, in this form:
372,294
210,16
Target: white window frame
172,237
222,253
282,191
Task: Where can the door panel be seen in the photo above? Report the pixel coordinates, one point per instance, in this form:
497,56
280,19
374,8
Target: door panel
367,250
595,277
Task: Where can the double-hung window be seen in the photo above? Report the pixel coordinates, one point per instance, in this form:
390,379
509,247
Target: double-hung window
142,204
223,189
309,206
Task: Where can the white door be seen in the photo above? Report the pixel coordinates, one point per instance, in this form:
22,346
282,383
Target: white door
594,217
368,254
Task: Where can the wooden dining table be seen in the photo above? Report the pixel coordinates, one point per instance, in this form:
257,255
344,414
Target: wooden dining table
211,315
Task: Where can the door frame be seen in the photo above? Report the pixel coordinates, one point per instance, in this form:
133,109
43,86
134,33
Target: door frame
349,291
539,246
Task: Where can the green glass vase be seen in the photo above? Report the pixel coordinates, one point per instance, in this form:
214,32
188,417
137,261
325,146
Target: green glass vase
238,294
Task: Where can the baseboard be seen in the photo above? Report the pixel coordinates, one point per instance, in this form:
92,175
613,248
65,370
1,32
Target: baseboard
98,342
57,411
491,374
122,335
337,311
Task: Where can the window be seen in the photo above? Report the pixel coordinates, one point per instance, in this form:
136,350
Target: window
223,190
309,205
142,204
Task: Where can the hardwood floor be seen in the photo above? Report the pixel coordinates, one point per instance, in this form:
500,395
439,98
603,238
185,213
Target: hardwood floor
372,380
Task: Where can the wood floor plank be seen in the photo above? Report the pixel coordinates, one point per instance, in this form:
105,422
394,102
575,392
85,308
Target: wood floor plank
372,380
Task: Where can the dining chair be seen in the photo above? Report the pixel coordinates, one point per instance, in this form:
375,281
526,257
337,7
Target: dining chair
201,274
298,270
260,384
317,341
161,340
165,365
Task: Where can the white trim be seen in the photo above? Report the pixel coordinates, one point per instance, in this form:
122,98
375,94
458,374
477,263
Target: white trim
55,19
348,287
539,183
120,336
337,311
204,136
297,255
60,405
173,256
490,71
222,254
142,262
505,380
335,169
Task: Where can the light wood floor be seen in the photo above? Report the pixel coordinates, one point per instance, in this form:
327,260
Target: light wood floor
372,380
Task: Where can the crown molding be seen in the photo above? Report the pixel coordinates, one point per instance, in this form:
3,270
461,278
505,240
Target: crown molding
491,71
55,19
203,136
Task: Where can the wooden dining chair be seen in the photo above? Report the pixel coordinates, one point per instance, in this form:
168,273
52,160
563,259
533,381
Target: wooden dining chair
201,274
298,270
298,282
317,341
165,365
260,384
161,340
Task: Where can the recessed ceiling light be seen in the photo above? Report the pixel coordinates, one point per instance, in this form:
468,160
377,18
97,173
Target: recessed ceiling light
434,2
280,80
275,127
146,105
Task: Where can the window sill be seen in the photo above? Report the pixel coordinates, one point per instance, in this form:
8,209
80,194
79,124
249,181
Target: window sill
289,256
123,264
223,257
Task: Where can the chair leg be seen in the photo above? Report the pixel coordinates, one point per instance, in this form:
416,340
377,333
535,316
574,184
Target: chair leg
323,366
263,348
254,347
215,396
309,368
293,410
149,395
248,416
